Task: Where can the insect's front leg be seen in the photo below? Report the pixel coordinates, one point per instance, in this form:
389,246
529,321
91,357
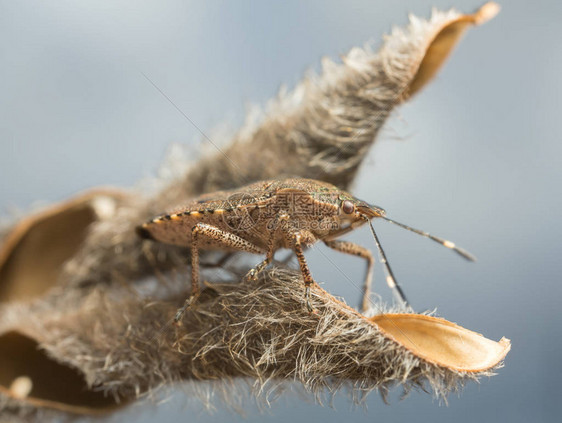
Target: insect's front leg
227,239
298,240
347,247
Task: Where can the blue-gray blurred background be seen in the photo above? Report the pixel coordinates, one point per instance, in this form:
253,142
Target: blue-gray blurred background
475,158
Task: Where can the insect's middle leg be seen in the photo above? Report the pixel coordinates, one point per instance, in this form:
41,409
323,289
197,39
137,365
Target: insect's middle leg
347,247
253,273
227,239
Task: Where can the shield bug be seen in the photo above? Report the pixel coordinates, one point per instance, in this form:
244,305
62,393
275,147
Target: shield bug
265,216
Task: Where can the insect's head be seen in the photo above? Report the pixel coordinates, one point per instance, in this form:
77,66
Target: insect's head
355,212
359,209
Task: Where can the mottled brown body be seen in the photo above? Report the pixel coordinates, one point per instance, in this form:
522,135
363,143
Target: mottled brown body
262,217
249,213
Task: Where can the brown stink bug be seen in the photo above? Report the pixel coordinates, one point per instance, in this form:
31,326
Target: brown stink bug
265,216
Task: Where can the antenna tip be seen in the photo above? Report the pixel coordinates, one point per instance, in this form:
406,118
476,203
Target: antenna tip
465,254
472,258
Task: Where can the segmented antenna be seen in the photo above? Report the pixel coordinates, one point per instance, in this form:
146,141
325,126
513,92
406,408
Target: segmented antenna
464,254
390,279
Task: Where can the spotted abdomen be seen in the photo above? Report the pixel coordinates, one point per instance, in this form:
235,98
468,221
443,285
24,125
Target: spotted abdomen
175,228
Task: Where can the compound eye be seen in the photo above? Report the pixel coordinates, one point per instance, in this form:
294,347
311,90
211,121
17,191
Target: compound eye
348,207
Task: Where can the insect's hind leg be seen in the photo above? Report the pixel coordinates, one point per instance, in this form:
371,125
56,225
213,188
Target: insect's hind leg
347,247
227,239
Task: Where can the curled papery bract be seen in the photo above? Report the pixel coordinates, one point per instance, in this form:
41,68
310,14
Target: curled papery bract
33,252
442,342
442,44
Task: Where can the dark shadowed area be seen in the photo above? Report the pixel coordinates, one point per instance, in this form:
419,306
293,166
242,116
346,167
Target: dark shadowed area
473,158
